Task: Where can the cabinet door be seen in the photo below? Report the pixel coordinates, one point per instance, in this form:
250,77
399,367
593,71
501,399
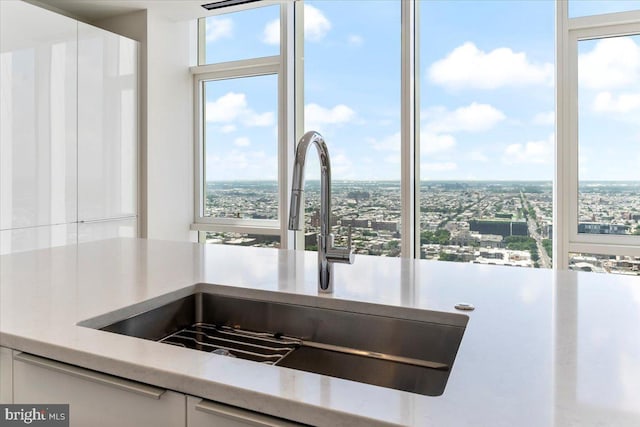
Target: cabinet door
38,69
107,124
6,376
205,413
32,238
107,229
95,399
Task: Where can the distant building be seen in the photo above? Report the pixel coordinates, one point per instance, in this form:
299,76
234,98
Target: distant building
315,219
464,237
599,228
355,222
504,215
358,195
501,228
503,257
384,225
491,241
310,239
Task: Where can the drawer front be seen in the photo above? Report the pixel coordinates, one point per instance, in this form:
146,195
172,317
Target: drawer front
94,398
205,413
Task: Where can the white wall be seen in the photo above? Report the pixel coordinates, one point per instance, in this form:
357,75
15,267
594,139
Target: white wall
166,116
169,130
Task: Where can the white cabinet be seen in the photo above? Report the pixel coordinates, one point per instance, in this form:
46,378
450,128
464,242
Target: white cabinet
95,399
31,238
107,229
205,413
107,125
69,133
6,376
98,399
38,112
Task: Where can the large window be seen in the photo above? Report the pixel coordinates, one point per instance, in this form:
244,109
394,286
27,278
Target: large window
453,135
487,131
241,126
599,102
352,97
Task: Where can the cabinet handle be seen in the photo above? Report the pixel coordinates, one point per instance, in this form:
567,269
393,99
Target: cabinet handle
243,415
97,377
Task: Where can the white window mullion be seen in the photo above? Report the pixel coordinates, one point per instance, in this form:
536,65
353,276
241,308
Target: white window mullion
298,99
561,185
286,120
409,128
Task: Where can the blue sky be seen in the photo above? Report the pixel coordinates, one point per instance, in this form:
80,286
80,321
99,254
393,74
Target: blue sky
487,93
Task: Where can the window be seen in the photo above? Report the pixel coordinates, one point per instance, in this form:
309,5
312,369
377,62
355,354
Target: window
608,145
486,132
598,140
579,8
241,148
444,138
250,33
352,65
242,126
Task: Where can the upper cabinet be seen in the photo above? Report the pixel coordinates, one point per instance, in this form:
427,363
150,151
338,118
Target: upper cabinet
68,130
38,116
107,124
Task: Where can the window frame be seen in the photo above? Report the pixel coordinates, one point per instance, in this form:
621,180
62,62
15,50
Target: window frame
290,71
280,65
569,31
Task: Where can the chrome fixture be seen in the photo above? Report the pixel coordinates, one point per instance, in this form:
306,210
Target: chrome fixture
327,253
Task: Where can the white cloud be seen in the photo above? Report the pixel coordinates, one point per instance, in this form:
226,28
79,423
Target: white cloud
316,24
218,28
473,118
271,33
469,67
438,167
389,143
244,164
613,63
255,119
355,40
622,103
226,108
242,141
341,166
478,156
233,106
315,116
536,152
393,159
548,118
431,143
228,129
316,27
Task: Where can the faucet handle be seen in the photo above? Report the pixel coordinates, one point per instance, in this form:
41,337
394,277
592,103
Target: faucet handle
341,255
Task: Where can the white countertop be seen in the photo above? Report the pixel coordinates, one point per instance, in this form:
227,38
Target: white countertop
542,348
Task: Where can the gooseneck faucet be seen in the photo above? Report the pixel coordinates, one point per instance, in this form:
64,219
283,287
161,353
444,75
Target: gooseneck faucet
327,253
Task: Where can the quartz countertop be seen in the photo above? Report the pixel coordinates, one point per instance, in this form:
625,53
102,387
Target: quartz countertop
542,348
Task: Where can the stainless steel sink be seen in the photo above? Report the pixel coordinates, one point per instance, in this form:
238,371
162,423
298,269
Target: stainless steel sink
410,355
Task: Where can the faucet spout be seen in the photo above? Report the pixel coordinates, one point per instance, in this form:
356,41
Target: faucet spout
327,253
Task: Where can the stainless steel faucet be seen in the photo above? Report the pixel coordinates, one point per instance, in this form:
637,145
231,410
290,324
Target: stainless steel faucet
327,253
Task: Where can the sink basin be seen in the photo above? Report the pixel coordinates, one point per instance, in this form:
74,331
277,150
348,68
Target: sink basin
399,353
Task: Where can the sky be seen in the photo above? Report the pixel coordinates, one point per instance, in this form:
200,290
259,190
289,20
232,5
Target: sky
486,92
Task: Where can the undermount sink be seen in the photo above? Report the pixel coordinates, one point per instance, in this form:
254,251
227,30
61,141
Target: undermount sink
409,355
